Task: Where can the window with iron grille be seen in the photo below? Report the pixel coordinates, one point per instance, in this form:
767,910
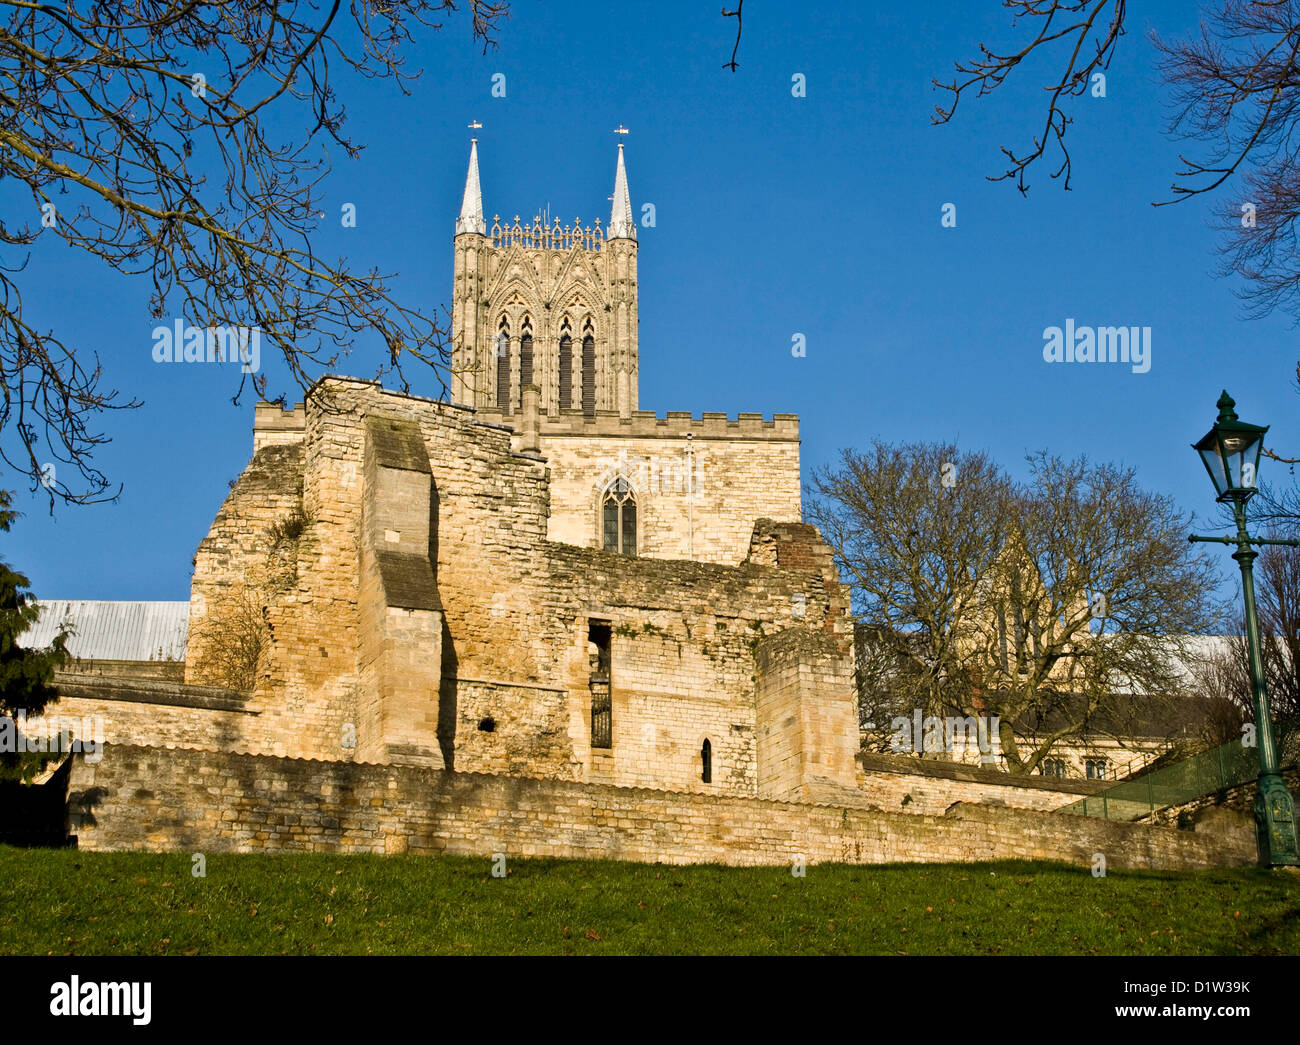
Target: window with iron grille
602,731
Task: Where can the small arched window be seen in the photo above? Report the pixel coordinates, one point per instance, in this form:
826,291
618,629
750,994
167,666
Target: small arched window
503,364
706,763
618,518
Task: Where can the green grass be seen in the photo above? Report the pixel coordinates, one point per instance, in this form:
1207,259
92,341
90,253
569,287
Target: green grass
70,902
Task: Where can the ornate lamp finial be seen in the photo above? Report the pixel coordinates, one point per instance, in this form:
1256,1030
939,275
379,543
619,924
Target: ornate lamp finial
1225,405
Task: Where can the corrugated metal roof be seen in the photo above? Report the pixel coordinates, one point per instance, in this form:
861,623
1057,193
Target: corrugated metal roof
114,630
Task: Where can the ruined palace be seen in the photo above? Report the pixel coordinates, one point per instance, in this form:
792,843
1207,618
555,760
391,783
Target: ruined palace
531,617
536,577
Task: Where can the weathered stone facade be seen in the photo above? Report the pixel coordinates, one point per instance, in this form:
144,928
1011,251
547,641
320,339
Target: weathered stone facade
698,482
422,615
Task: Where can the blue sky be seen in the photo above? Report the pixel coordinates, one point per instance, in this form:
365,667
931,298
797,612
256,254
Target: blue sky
776,216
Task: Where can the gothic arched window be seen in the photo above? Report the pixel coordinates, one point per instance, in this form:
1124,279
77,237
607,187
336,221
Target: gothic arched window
588,369
503,364
566,365
618,518
525,356
706,762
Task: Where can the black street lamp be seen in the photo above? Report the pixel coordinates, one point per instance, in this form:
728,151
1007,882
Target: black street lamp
1230,452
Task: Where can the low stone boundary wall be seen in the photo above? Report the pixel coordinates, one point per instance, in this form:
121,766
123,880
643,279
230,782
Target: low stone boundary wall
209,801
913,785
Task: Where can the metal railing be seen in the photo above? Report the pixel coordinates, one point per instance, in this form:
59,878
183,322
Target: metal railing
1229,765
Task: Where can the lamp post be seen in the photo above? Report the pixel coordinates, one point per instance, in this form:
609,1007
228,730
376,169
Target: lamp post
1230,453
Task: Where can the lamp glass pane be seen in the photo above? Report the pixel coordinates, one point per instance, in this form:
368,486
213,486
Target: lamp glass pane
1214,465
1251,458
1239,450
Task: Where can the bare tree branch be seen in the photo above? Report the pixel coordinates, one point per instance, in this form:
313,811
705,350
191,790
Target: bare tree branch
1089,41
112,116
736,14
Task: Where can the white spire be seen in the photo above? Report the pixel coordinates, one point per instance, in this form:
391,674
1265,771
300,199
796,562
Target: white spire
471,208
621,225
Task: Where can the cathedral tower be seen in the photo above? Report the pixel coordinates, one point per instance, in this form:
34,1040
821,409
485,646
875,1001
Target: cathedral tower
551,306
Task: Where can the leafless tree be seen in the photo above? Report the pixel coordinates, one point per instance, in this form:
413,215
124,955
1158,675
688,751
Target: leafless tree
1277,597
149,136
1277,584
1053,604
1217,679
1237,87
239,625
915,530
885,678
1088,612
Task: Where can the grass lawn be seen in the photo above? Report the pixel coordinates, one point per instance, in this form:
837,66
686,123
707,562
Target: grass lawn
70,902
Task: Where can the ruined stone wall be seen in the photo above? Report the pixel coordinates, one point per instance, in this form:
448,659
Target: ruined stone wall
484,532
699,505
308,685
350,673
401,618
530,737
684,636
318,681
160,801
515,730
742,471
240,560
158,713
806,715
517,611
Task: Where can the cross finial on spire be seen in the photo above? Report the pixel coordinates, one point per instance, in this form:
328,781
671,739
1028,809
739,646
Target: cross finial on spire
620,129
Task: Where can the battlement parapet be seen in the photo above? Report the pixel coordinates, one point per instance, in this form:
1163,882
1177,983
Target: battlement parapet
607,424
273,426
